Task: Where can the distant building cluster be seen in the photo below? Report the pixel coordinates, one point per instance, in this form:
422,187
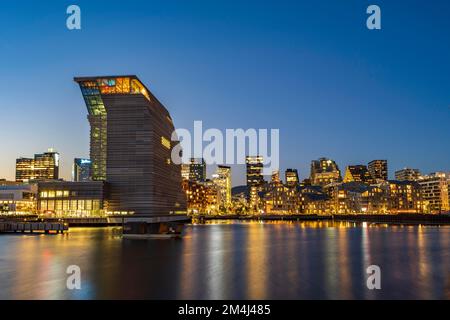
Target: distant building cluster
364,189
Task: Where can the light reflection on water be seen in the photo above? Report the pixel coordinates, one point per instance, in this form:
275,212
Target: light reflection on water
232,260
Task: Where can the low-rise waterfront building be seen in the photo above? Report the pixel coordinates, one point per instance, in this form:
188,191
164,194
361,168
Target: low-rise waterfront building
315,203
346,197
201,197
72,199
17,198
403,197
281,199
374,200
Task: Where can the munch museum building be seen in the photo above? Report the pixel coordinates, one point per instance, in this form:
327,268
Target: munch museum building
130,147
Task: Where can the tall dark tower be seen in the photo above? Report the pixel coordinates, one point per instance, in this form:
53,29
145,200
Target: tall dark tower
131,146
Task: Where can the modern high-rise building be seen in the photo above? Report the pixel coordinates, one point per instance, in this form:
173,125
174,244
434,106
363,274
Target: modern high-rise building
291,177
185,170
131,146
222,179
324,171
407,174
357,173
44,166
435,192
81,170
255,165
378,169
197,170
275,177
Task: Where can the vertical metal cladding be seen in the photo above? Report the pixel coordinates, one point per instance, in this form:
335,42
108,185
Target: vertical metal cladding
141,176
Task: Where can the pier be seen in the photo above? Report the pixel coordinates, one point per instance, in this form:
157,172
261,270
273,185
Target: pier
33,227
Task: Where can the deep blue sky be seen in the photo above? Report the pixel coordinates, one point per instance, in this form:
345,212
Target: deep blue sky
310,68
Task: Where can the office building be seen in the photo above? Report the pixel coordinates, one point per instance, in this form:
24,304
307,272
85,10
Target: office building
197,169
44,166
291,177
324,171
435,192
81,170
378,169
255,165
130,146
222,179
358,173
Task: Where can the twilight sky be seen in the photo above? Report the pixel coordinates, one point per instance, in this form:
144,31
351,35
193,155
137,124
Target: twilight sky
309,68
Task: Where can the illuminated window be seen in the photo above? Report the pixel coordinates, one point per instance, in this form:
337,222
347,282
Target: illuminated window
51,205
43,205
165,142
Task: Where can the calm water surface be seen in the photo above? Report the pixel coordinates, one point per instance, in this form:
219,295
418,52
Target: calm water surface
223,260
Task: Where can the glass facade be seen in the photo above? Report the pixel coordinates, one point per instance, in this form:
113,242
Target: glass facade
71,199
81,170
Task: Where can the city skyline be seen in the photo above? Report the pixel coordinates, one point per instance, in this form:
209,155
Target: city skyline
227,155
373,95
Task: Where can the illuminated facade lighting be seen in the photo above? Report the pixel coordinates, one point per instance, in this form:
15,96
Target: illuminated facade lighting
44,166
324,171
291,177
71,199
255,165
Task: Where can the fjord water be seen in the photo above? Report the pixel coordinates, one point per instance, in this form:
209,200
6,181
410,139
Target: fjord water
232,260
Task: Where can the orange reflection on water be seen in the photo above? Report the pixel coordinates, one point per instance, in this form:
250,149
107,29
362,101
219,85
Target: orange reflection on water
256,262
